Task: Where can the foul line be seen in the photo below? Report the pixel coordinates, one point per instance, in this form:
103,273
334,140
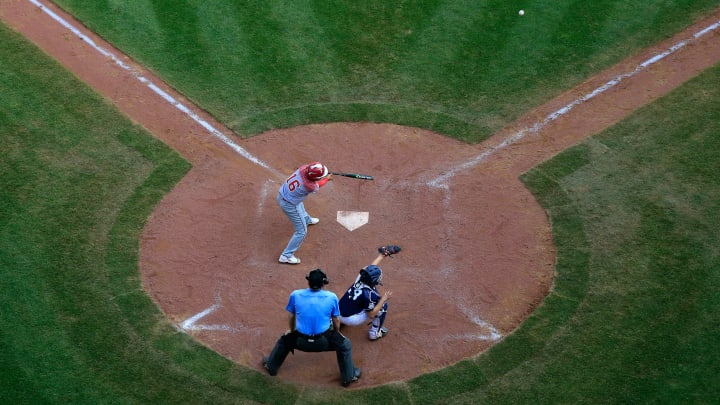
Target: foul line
439,182
167,97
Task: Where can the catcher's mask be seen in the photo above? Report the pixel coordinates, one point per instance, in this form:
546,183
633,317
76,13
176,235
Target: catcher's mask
371,275
316,279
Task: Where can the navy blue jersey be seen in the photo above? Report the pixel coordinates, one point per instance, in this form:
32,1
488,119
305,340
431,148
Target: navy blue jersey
359,297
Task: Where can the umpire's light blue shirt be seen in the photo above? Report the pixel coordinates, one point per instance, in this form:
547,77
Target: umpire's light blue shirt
313,309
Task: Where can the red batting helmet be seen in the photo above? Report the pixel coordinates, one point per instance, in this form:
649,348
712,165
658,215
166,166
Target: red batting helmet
316,171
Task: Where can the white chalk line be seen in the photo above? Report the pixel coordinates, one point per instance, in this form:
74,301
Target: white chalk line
440,181
167,97
493,335
267,188
189,324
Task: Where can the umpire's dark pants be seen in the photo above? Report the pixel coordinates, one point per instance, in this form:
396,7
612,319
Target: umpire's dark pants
326,342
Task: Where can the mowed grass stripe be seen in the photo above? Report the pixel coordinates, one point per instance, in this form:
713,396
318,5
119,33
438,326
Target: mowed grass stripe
455,67
48,229
70,165
652,340
634,212
650,207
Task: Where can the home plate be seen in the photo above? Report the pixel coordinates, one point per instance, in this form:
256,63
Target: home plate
352,220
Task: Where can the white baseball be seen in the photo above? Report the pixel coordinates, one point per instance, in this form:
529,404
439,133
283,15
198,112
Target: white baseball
521,12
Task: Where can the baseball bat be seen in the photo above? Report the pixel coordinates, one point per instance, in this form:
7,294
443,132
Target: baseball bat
354,175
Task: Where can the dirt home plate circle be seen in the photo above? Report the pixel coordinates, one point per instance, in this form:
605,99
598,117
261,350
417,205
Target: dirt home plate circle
477,251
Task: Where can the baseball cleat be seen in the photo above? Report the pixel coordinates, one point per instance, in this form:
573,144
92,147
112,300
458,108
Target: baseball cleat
382,332
289,260
313,221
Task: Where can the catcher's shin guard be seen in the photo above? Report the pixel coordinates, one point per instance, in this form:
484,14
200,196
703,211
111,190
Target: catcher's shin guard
377,330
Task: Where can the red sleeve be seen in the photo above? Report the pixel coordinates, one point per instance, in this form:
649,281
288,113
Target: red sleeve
322,182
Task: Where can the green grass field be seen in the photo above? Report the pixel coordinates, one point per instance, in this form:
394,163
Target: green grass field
635,310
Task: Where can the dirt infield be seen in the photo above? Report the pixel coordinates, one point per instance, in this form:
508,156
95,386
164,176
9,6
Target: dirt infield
478,254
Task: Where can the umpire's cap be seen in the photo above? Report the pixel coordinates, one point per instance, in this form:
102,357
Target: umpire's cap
316,279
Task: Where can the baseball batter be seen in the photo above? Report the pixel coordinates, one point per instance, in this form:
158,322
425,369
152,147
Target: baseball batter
363,303
306,180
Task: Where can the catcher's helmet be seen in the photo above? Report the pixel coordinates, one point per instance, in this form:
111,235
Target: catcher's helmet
316,279
316,171
371,275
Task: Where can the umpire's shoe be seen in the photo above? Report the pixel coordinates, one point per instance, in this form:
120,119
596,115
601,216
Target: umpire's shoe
265,365
356,376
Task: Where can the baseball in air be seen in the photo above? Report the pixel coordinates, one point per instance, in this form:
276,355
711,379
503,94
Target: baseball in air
521,12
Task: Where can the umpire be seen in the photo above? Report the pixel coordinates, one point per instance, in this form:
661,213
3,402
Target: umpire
314,327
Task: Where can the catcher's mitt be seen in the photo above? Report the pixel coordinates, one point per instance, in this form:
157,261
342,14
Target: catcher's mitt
389,250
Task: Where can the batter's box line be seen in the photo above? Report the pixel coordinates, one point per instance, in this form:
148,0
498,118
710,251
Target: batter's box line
189,325
493,335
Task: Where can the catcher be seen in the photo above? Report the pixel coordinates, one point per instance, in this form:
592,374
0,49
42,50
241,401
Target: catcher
362,302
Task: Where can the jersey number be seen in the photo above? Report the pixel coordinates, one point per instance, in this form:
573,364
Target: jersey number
292,182
356,292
